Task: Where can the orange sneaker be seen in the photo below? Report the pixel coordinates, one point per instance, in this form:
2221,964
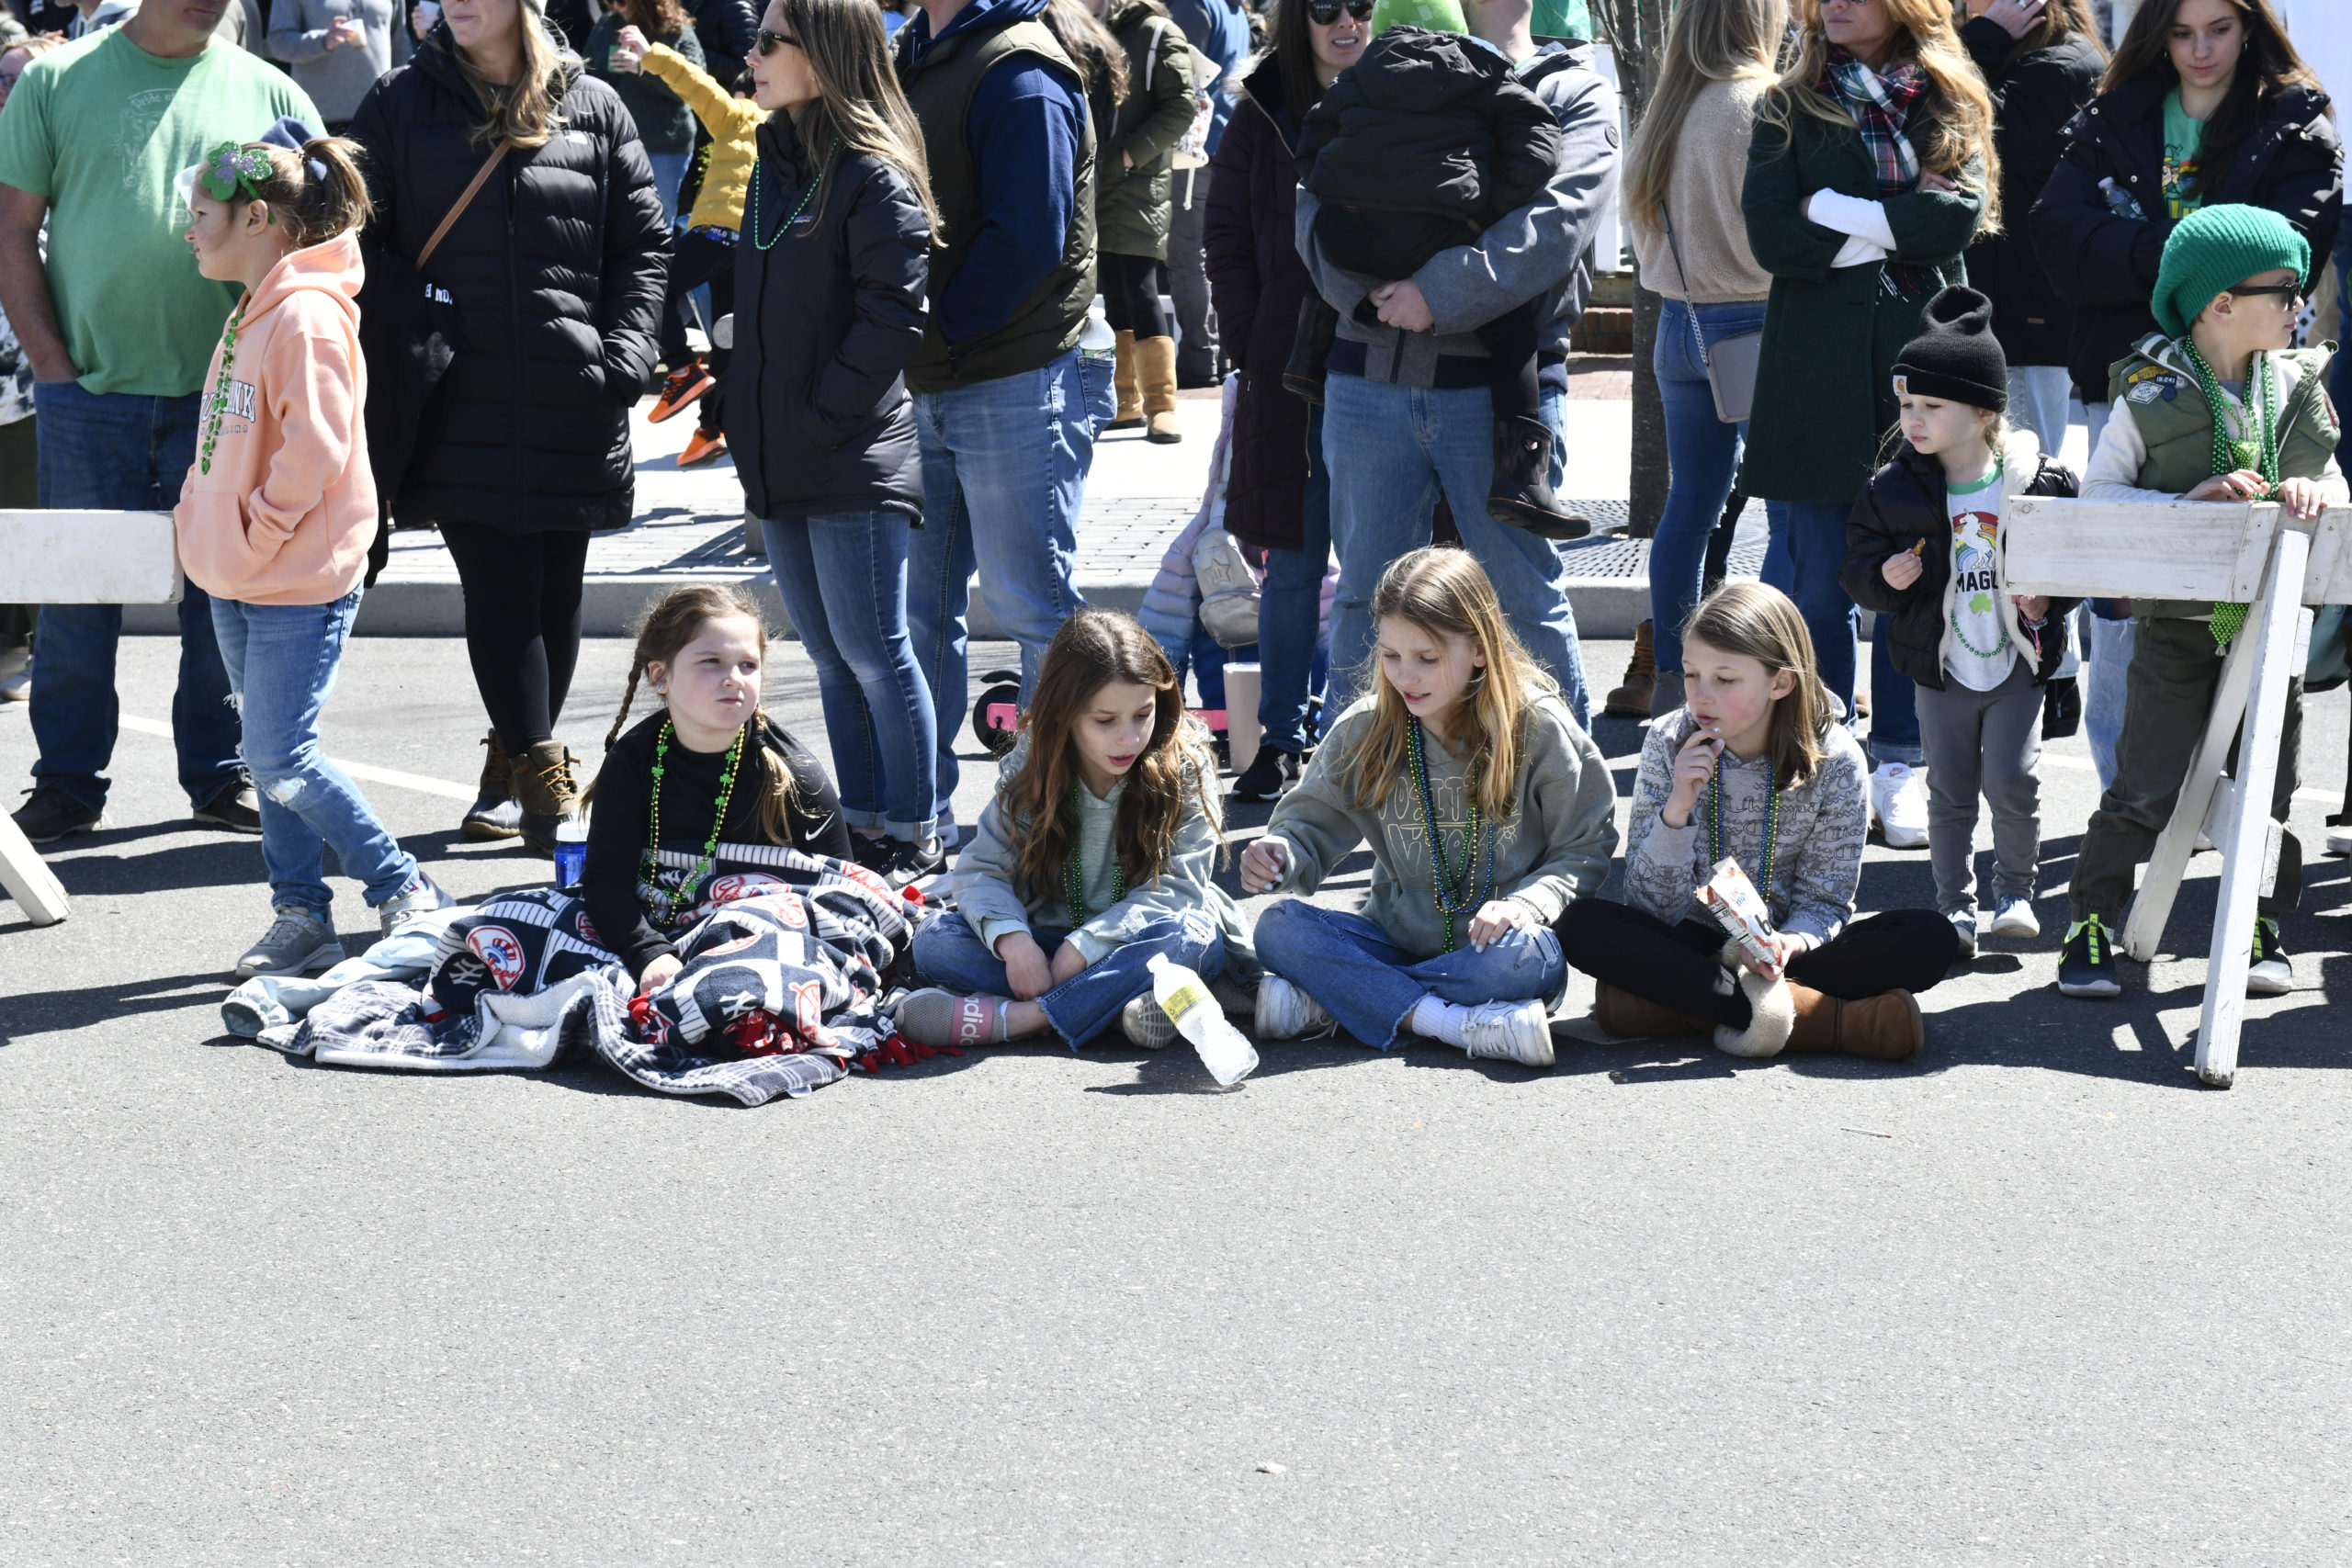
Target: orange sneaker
706,448
685,384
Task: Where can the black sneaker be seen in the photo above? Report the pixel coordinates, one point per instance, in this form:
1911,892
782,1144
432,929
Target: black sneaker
235,809
1271,772
2272,973
873,853
52,814
910,863
2087,966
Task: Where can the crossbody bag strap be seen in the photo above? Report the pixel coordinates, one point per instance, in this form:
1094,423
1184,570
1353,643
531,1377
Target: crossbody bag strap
473,188
1690,311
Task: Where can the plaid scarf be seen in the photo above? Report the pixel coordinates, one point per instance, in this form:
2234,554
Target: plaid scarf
1879,103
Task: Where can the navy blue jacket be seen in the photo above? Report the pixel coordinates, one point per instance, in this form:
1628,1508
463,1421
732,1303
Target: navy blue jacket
1220,30
1027,124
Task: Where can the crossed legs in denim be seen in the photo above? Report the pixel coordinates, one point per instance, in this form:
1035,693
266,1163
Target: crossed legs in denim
1371,985
949,953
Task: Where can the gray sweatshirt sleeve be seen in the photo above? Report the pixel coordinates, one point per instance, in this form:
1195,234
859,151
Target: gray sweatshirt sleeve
984,885
1316,817
1661,863
1182,888
1824,870
1342,290
1528,252
1574,798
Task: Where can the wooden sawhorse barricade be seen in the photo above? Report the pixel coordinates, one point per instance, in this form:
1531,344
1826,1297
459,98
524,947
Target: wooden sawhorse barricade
2247,554
76,558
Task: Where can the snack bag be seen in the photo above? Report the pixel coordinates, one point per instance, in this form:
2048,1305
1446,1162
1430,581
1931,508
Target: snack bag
1732,900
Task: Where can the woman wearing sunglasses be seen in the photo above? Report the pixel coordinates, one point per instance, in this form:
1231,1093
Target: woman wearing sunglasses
829,278
1278,494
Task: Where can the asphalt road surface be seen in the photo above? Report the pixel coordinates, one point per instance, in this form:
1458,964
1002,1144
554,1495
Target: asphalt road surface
2035,1298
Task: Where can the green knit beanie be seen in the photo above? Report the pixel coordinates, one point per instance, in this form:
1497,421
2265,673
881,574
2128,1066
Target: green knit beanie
2215,249
1437,16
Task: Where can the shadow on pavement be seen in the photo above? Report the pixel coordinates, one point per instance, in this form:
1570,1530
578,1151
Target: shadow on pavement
52,1012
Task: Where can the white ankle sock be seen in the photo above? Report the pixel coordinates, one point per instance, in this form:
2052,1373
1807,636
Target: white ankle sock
1439,1021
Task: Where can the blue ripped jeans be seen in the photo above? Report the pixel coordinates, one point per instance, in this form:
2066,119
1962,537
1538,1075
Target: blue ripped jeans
1369,984
949,953
1705,454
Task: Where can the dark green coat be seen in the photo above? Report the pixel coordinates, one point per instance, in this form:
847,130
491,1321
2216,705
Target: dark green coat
1131,204
1824,393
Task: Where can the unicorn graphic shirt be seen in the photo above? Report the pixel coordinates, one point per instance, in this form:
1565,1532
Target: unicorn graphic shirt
1977,653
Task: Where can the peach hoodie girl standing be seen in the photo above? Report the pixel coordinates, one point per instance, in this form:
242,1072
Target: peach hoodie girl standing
277,515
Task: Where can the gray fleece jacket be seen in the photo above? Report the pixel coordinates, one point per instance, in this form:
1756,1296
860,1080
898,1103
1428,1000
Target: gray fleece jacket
1553,850
986,884
1543,251
1818,859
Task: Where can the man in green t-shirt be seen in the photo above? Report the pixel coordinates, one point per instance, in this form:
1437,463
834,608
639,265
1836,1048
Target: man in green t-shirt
118,327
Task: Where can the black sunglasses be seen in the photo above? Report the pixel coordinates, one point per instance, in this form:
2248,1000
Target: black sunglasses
2293,291
1323,13
770,42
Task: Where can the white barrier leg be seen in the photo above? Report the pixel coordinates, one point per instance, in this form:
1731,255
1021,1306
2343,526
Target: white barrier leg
28,878
2273,627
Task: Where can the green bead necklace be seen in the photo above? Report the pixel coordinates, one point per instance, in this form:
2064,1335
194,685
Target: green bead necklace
1456,892
678,895
2258,452
1772,829
1074,872
752,211
219,403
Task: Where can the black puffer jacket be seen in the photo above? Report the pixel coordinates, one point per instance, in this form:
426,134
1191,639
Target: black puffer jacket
2033,97
1418,147
558,271
1906,503
828,313
2106,263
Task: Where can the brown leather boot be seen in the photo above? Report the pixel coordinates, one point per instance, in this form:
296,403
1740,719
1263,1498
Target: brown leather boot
493,815
1156,374
1884,1028
1123,376
1630,1017
550,792
1632,700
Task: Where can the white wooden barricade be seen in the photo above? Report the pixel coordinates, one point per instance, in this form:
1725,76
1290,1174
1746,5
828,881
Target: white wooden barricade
2240,553
76,558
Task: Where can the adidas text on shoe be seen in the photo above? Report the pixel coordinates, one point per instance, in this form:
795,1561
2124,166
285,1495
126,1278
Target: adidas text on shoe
1287,1012
2087,966
2272,972
1509,1032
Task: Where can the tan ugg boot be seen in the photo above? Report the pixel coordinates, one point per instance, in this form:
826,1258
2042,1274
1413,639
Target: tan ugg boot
1771,1007
1632,700
1130,412
1630,1017
549,791
1156,370
1885,1028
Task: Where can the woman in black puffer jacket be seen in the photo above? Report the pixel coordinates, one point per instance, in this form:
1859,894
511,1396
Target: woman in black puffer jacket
555,274
829,282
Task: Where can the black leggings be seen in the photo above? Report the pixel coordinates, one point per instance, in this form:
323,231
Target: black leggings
1131,294
1677,966
522,623
699,258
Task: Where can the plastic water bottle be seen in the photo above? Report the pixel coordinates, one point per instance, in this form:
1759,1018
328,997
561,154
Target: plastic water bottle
570,853
1098,341
1185,998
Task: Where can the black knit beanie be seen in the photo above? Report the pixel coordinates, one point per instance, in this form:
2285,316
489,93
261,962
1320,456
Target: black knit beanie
1955,357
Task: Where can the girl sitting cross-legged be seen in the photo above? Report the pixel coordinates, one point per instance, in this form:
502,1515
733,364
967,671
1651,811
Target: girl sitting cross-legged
1487,810
1758,768
1094,857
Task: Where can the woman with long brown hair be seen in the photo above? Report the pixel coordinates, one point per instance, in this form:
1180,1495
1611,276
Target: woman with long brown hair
549,279
1870,168
828,286
2205,102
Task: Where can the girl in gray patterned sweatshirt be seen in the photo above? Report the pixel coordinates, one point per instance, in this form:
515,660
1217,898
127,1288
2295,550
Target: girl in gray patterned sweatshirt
1756,768
1096,856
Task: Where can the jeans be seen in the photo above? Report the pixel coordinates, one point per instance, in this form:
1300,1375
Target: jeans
1815,536
1984,743
1290,609
669,174
1705,455
1392,451
843,577
949,953
2039,395
1371,985
117,452
281,661
1004,467
2107,649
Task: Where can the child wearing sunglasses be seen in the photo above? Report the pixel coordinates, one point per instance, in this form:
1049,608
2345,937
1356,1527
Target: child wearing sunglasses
2214,407
1424,143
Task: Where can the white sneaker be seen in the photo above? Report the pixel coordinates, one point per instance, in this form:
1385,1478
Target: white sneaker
2339,840
1964,925
1900,805
1145,1023
2271,973
1509,1032
15,675
1287,1012
2014,918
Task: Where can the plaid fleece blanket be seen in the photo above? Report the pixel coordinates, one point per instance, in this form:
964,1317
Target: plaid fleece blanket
786,961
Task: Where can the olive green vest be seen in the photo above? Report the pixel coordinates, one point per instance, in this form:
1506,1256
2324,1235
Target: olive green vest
1048,324
2168,406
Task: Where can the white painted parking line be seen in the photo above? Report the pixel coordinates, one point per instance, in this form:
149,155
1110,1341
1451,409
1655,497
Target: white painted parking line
365,772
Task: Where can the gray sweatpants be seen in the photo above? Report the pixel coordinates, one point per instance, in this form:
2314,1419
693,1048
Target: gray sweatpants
1987,744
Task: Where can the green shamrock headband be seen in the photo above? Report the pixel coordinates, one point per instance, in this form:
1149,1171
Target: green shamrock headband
229,168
